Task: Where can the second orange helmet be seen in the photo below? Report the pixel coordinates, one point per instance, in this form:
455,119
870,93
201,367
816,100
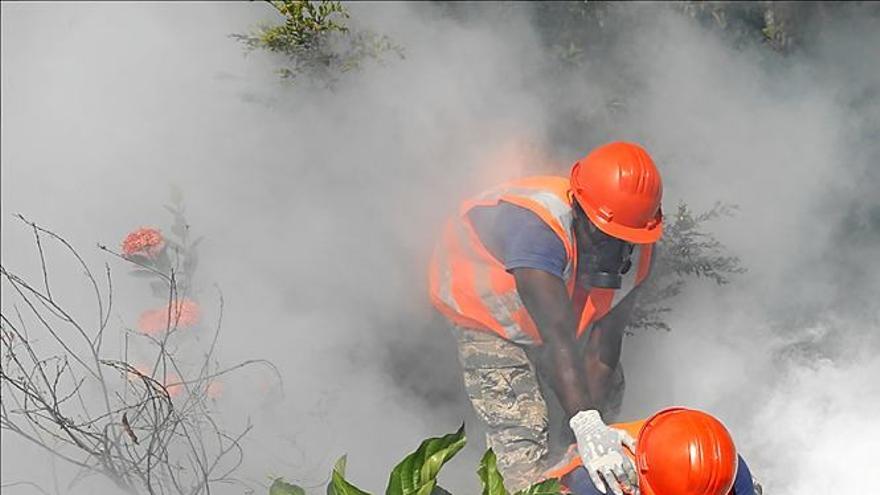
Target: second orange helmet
685,452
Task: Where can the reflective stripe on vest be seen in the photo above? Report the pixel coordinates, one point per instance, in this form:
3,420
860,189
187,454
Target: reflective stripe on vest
497,309
471,288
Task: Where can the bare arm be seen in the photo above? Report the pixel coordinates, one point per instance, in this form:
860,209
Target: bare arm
548,303
602,352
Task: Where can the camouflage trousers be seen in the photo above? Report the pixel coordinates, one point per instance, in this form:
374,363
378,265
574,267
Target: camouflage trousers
503,386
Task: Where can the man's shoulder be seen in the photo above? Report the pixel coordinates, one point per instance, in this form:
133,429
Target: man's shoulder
519,238
523,224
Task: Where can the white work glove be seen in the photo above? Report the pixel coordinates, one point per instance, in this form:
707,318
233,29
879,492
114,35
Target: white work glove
601,450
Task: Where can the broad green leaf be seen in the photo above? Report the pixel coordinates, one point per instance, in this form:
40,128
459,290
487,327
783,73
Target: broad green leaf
493,482
546,487
417,473
338,485
339,467
281,487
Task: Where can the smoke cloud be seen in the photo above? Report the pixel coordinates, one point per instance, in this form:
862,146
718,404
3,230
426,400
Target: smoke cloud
320,209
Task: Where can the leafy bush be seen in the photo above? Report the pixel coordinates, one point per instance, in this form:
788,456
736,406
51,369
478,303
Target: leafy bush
417,473
315,42
685,250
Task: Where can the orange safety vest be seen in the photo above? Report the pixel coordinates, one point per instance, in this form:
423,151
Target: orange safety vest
472,288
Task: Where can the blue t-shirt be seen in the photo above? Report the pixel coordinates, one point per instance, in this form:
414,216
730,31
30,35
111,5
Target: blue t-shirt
519,238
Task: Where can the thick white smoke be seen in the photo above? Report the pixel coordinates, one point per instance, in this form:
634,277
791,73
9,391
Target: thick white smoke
320,208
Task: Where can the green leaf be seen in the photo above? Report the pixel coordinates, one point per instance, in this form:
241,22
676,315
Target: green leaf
493,482
546,487
338,485
281,487
417,472
339,467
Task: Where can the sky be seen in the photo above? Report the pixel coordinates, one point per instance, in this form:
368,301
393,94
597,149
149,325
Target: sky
320,207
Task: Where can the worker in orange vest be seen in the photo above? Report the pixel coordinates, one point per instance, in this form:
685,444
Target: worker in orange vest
677,451
541,274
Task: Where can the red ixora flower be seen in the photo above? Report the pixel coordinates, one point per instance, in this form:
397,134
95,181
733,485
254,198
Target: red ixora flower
144,241
183,314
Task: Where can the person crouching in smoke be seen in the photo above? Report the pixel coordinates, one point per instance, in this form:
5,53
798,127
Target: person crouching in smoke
677,451
542,273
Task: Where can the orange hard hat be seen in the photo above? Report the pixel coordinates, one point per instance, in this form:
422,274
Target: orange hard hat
685,452
619,188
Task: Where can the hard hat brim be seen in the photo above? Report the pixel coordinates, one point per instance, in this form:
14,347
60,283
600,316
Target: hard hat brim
628,234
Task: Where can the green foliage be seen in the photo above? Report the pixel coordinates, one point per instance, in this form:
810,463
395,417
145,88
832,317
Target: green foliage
691,251
339,486
304,24
281,487
315,42
771,23
417,472
684,251
546,487
577,28
776,32
340,465
493,482
490,477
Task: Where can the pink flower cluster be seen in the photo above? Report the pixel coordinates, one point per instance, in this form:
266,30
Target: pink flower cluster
144,242
179,314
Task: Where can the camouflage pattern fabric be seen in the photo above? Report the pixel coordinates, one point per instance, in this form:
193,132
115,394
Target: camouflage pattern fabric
503,387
